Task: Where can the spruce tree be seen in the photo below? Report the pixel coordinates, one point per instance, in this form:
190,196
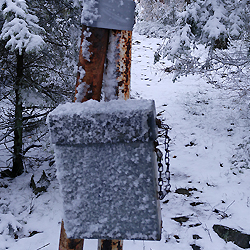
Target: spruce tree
39,57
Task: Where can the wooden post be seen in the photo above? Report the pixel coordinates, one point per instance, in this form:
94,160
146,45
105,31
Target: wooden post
69,244
110,244
123,63
94,66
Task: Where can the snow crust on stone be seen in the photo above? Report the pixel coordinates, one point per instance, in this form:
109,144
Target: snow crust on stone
102,122
106,167
109,190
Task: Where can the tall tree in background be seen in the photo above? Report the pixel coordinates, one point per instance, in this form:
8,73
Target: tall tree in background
20,30
38,57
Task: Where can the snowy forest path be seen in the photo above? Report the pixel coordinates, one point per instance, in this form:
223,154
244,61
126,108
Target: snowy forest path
209,152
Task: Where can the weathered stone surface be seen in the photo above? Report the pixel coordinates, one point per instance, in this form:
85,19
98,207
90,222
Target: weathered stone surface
108,184
103,122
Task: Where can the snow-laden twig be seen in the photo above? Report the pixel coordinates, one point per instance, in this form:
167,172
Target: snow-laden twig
229,206
43,246
207,230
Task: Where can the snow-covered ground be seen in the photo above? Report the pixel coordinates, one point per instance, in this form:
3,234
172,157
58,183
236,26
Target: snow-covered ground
209,168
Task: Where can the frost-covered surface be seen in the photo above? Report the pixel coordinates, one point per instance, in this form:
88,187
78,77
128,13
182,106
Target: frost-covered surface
102,122
105,150
212,167
82,87
85,46
109,190
110,87
108,14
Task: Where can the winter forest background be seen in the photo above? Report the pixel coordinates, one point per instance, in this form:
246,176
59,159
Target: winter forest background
39,56
39,44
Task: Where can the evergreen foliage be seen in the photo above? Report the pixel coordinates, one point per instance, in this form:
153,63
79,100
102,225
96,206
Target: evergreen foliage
206,37
20,27
38,59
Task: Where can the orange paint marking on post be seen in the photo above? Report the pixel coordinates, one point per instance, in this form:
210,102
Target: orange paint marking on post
94,66
123,42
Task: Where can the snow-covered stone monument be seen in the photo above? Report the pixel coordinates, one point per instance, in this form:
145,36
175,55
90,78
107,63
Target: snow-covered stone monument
105,150
107,168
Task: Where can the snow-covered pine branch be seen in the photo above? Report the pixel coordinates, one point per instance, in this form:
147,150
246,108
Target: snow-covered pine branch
20,28
203,28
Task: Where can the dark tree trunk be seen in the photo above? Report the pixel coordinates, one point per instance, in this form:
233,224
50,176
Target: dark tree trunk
18,129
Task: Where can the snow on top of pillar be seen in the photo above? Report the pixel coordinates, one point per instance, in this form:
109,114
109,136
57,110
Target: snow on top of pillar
102,122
